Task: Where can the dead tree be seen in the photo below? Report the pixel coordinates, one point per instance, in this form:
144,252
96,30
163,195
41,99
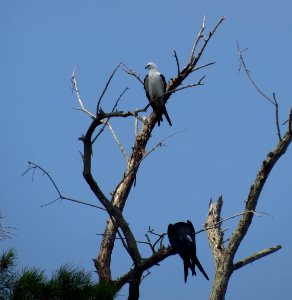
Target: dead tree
117,227
224,254
116,224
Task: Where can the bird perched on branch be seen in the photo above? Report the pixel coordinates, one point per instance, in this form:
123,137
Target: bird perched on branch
155,87
181,236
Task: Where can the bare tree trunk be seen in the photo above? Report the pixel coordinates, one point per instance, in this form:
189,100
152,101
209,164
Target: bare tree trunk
134,285
220,284
121,193
224,256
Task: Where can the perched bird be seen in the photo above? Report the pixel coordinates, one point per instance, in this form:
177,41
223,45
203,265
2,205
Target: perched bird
155,86
181,236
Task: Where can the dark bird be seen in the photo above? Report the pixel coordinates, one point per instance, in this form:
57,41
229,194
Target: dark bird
181,236
155,87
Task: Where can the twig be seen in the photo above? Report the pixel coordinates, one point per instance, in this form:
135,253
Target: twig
118,238
105,115
132,73
277,117
117,141
204,66
33,167
256,213
198,38
185,87
123,114
273,100
177,62
175,82
159,144
160,239
145,275
150,243
109,116
105,88
248,73
76,90
123,240
194,60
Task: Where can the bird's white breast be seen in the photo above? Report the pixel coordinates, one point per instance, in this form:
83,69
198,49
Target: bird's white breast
155,85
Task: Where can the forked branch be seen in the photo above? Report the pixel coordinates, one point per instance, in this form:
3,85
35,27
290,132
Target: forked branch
116,204
33,167
271,100
224,256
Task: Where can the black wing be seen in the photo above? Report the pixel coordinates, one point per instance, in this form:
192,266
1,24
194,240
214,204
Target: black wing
163,81
163,110
153,104
146,87
182,238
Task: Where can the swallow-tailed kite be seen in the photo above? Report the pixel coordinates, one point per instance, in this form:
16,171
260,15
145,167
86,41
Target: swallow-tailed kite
181,236
155,86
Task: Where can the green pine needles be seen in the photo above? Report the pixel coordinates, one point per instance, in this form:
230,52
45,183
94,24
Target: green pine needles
66,283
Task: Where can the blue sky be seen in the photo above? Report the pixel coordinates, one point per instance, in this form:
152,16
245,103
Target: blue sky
230,129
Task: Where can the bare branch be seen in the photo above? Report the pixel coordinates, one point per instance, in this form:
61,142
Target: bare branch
259,90
248,73
105,89
132,73
198,38
175,82
119,238
185,87
250,259
159,239
204,66
117,141
150,243
76,90
194,60
121,192
177,62
255,192
277,117
221,221
145,154
146,264
113,113
145,275
102,115
33,167
112,209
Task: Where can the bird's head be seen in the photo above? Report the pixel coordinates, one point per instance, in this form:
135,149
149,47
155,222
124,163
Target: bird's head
151,66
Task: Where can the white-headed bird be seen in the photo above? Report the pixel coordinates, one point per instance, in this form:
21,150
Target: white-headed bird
155,87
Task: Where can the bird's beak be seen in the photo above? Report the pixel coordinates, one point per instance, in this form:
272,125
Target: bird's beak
146,67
